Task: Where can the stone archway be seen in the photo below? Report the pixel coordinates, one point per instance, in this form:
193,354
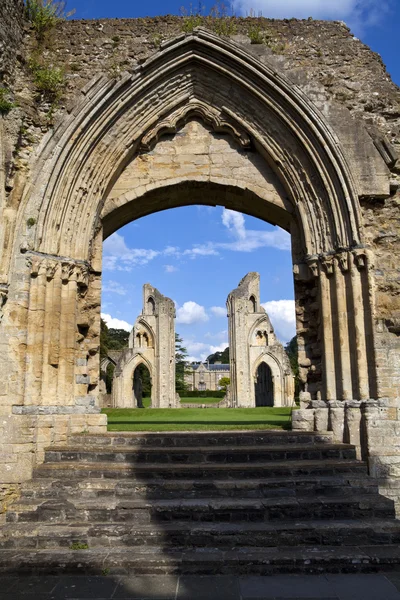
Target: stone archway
264,385
281,160
151,343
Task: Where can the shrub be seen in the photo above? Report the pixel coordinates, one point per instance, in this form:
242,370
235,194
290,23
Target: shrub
49,81
190,22
79,546
256,35
5,103
45,14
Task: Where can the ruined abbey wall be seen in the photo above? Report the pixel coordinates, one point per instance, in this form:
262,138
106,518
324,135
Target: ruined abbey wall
11,37
337,73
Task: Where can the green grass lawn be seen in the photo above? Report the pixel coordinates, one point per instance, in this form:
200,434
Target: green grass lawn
197,419
201,400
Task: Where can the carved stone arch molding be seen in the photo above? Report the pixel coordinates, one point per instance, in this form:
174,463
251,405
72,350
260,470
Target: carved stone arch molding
123,377
196,75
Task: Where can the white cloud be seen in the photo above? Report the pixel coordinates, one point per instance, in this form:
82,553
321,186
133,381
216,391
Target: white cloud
301,9
191,312
171,251
114,323
248,240
235,222
201,250
220,335
283,318
199,350
218,311
196,347
170,268
219,348
113,287
118,257
356,12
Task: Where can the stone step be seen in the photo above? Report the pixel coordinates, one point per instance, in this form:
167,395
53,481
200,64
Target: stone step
199,535
202,454
148,471
210,561
194,488
210,509
205,438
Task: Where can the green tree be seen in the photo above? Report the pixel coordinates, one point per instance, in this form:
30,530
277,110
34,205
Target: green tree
103,339
181,365
114,339
146,381
292,352
222,357
224,382
118,339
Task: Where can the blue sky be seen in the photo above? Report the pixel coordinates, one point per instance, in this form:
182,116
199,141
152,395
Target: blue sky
196,255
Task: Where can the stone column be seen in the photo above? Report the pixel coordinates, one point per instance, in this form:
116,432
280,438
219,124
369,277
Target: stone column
329,366
359,347
34,345
49,382
65,387
341,274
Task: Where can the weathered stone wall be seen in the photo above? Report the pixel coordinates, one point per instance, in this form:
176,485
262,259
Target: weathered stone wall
322,57
324,51
11,35
337,73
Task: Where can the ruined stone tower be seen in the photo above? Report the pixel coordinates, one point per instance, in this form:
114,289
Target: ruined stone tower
151,343
259,367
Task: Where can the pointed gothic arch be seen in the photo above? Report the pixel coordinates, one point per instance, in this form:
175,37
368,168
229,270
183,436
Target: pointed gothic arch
309,189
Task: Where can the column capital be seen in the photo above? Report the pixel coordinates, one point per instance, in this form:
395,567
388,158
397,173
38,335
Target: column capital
67,271
360,258
343,261
82,277
313,265
51,269
327,263
3,296
34,263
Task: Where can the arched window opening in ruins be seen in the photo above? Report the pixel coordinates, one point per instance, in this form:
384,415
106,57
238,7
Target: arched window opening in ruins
262,338
109,377
264,386
141,387
150,315
151,306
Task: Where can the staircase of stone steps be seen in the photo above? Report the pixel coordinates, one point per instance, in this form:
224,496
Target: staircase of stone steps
204,503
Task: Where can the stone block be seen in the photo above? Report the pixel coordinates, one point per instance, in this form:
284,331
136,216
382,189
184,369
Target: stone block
336,421
321,419
303,419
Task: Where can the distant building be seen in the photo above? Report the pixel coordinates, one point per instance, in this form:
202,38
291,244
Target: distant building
203,376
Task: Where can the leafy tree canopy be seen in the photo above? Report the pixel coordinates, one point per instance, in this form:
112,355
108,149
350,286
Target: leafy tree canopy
181,365
112,339
222,357
224,382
